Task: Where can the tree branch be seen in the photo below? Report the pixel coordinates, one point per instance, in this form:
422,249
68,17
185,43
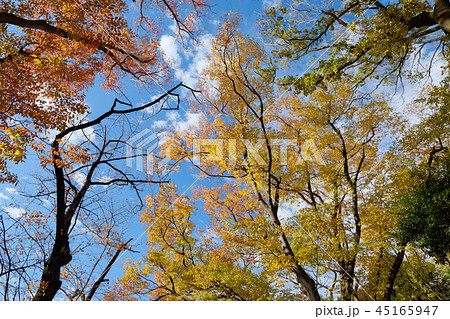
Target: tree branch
10,18
101,279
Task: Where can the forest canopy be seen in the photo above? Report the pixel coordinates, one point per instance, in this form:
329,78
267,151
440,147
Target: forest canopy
313,163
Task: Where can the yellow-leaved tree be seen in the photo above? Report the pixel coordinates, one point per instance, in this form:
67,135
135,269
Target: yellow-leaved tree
304,190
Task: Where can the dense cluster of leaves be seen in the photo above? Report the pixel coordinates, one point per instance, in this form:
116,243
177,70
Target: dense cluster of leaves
52,51
427,209
318,212
185,263
372,41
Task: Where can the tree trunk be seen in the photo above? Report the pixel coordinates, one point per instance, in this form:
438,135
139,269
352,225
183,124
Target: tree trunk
347,272
101,279
305,281
60,256
393,274
348,267
441,14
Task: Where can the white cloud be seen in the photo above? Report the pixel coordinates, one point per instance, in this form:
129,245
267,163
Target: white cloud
172,116
173,27
192,120
46,202
159,124
81,135
75,137
271,3
170,48
287,210
14,212
352,37
79,178
187,62
411,89
154,108
198,60
3,196
105,179
11,190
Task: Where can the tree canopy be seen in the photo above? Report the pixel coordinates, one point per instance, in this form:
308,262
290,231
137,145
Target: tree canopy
310,181
52,51
367,40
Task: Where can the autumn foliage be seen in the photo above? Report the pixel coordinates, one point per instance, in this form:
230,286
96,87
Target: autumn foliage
52,51
312,218
311,182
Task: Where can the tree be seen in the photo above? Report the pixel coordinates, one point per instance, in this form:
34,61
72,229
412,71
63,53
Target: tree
303,180
52,51
363,39
81,215
241,96
372,43
185,263
425,206
309,194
